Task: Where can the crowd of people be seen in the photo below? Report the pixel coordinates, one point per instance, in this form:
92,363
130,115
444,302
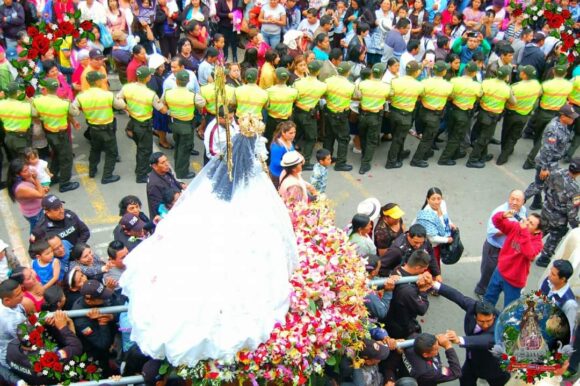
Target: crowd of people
346,74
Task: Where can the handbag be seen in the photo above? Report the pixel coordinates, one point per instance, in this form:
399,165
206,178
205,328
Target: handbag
451,253
106,38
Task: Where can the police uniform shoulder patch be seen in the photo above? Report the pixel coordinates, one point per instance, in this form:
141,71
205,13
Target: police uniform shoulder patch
87,331
552,140
576,200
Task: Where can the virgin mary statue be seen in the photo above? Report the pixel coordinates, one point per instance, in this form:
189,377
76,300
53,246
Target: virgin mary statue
214,278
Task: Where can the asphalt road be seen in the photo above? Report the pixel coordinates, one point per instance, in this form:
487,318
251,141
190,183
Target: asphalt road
470,194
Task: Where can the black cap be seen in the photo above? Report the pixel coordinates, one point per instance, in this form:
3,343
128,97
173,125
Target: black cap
374,350
96,290
96,53
568,111
51,202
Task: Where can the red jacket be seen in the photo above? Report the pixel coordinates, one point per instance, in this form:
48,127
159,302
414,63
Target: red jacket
518,251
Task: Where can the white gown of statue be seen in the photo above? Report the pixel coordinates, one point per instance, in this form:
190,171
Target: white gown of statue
213,279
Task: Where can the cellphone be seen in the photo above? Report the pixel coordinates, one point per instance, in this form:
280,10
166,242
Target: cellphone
517,217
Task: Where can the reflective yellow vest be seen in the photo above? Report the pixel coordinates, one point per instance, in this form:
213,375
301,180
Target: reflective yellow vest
374,94
465,92
53,112
555,93
97,104
574,96
251,99
180,103
404,92
208,93
139,100
310,90
496,92
436,91
15,115
526,93
338,94
280,101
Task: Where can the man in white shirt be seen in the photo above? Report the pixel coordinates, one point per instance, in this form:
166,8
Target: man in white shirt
409,55
94,11
556,287
177,65
11,315
310,24
214,137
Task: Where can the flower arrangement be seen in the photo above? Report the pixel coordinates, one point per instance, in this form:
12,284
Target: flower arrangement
42,37
532,368
559,20
327,314
44,358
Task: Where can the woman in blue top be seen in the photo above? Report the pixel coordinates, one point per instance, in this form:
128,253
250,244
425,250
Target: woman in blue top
281,143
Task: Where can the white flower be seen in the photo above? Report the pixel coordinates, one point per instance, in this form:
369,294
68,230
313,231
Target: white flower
31,63
54,26
66,367
526,16
26,337
65,18
34,348
559,9
534,8
82,365
541,12
41,352
34,81
49,36
562,28
576,41
45,372
72,363
534,18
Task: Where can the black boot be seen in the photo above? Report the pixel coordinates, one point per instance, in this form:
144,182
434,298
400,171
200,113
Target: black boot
537,203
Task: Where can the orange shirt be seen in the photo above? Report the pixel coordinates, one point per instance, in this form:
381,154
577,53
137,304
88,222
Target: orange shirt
85,85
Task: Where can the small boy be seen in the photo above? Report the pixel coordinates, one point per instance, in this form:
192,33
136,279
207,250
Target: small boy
319,176
44,264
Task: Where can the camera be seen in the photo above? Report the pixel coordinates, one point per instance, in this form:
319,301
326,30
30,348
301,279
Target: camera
517,217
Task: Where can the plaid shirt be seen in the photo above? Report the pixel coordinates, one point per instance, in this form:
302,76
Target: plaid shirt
10,318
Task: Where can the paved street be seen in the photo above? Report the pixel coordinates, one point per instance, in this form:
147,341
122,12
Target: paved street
470,194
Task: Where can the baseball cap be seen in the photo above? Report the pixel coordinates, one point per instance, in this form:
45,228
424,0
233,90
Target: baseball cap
130,222
93,76
50,83
343,68
96,290
568,111
440,66
251,75
529,70
82,55
51,202
182,76
412,67
143,72
314,66
96,53
379,68
395,212
471,67
575,165
560,69
282,73
373,350
504,71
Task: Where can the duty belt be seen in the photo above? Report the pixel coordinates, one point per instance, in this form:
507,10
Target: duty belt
19,134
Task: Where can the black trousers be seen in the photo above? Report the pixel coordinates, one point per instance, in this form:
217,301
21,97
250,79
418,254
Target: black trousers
470,374
489,257
231,39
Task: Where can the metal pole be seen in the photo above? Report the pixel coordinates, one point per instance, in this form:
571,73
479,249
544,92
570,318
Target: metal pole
103,310
380,281
134,379
406,343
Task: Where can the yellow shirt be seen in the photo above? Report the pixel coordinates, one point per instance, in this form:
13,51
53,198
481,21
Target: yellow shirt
66,45
85,85
267,76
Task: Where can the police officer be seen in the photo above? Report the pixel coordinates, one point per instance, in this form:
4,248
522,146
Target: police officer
560,208
97,104
208,94
54,112
250,98
181,105
574,100
527,91
310,90
555,94
373,95
555,141
281,99
404,94
140,102
463,98
436,91
496,92
16,117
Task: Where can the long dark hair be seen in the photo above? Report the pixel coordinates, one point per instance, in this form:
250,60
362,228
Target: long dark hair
126,201
431,192
359,221
13,178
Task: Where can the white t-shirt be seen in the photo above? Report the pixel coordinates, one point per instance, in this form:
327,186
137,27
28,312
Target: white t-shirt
41,168
274,13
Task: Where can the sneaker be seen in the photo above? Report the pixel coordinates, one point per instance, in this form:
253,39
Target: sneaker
356,151
542,261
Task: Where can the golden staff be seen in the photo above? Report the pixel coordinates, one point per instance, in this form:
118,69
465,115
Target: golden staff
221,99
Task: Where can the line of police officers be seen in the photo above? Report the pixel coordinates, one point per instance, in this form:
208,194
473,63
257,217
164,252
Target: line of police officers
429,101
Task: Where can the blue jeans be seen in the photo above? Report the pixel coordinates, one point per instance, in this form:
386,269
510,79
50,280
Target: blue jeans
271,39
33,220
496,285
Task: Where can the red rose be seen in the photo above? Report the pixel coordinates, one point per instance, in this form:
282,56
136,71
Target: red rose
41,43
30,91
571,57
76,34
66,27
48,359
32,53
504,357
517,12
91,369
87,25
566,14
32,31
37,367
34,336
57,366
547,15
